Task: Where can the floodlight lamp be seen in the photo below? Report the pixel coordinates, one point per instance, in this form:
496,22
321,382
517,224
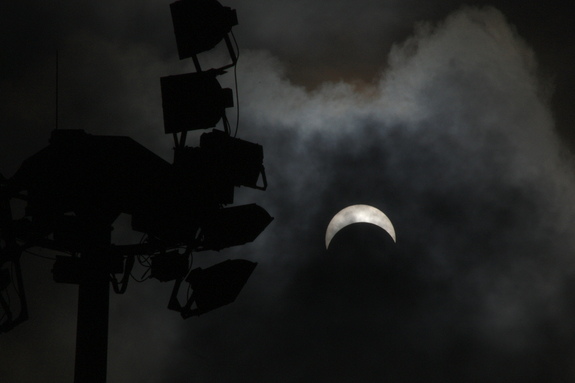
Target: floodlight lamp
199,25
193,101
233,226
217,285
239,161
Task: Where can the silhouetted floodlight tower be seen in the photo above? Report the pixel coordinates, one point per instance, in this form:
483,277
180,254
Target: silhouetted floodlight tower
233,226
78,185
193,101
199,25
196,100
239,161
224,228
216,286
75,188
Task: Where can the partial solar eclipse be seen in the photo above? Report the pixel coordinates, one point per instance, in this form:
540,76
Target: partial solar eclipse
358,214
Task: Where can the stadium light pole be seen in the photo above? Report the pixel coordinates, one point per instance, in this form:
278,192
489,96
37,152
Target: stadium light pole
91,363
77,187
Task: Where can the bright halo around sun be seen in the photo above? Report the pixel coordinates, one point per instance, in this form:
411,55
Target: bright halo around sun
358,214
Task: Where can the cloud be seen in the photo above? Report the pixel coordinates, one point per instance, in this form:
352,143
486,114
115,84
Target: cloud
453,140
456,143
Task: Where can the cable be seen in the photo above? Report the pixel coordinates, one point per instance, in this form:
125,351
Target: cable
236,84
143,278
226,123
144,260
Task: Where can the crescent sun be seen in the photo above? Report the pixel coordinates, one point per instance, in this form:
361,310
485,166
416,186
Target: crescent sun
356,214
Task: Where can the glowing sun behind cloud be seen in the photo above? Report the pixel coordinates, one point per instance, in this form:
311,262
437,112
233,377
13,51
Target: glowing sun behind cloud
358,214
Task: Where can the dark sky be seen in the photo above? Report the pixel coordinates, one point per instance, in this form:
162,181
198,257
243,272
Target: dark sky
455,119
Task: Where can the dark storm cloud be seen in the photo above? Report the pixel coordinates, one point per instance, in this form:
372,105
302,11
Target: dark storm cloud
344,40
450,133
349,41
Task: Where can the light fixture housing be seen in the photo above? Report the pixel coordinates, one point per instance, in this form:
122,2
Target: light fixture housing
199,25
239,162
217,285
233,226
193,101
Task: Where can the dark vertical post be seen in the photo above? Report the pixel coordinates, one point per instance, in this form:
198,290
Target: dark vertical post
93,308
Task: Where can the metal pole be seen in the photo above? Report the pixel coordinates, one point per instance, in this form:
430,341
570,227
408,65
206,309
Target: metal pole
93,309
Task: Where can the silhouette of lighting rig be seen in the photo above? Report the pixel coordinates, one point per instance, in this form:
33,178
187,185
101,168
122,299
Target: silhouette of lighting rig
193,101
76,187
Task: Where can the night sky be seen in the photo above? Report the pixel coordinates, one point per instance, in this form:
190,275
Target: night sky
455,119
